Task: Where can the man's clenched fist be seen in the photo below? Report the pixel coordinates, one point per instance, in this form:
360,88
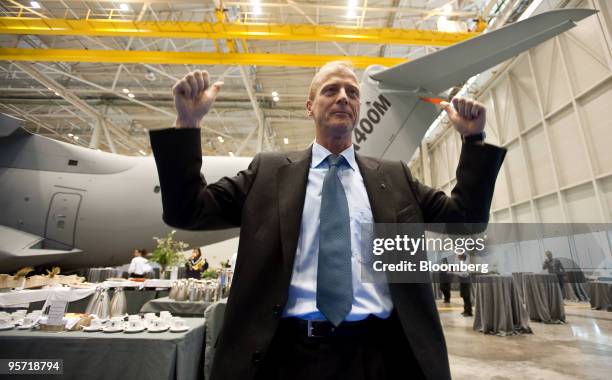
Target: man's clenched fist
468,116
193,97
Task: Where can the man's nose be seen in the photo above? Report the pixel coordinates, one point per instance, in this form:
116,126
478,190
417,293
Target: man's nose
342,97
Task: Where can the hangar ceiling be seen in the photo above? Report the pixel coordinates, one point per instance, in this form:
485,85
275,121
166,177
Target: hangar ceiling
99,73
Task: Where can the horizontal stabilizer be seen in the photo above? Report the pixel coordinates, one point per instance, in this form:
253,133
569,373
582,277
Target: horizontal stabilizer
441,70
19,248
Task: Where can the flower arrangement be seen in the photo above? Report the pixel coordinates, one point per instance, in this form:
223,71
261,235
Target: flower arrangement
168,252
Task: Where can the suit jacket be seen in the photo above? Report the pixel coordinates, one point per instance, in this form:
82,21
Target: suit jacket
266,202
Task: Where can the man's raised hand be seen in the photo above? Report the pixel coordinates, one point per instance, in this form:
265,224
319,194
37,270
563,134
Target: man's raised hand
467,116
193,97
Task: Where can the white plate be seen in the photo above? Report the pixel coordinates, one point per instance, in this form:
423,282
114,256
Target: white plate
107,330
25,327
128,331
10,327
180,330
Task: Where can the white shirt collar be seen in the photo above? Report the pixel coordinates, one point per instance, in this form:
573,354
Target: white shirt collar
320,153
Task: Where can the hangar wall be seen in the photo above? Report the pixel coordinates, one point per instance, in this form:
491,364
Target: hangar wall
552,110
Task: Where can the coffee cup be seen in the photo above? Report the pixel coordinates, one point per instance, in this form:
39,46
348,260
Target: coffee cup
115,324
135,324
28,320
165,315
95,324
149,316
156,324
134,317
178,323
5,323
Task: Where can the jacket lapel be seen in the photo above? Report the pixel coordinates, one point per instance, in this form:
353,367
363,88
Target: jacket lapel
292,178
378,188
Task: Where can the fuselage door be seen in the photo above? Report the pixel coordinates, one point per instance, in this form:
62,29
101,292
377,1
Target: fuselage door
62,217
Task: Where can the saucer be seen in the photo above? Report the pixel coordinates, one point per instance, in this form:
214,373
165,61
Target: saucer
151,330
109,330
25,327
183,329
89,329
129,331
9,327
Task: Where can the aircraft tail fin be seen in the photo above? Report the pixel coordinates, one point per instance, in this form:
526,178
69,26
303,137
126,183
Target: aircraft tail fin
457,63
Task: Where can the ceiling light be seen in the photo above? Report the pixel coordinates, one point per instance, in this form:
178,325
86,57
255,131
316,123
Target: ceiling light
286,141
142,152
126,90
131,95
70,135
34,4
56,93
124,7
76,137
351,11
256,7
275,98
220,139
274,93
231,154
150,76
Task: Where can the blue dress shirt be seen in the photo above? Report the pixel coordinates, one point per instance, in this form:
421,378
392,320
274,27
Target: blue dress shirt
368,298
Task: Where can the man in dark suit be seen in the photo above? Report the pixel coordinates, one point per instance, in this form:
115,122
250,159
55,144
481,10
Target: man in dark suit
297,309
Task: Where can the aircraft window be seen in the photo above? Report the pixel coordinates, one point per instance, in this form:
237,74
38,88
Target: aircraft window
156,189
73,162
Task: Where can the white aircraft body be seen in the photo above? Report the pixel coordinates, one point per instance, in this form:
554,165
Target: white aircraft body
65,205
61,204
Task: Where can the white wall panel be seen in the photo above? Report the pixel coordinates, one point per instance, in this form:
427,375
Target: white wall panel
549,208
516,173
599,125
537,154
581,203
551,84
525,94
569,151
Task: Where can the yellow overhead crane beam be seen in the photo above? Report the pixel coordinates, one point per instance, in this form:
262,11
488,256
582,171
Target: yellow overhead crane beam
221,30
195,58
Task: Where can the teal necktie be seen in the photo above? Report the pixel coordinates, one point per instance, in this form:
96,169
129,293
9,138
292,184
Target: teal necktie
334,278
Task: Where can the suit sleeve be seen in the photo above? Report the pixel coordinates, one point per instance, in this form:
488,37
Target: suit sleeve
188,201
470,199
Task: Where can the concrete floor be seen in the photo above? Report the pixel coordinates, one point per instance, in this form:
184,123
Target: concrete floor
580,349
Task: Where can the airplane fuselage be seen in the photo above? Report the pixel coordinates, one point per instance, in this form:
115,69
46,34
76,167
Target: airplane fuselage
106,208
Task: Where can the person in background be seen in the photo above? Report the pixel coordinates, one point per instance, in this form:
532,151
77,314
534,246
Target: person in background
445,282
139,265
196,264
554,266
465,289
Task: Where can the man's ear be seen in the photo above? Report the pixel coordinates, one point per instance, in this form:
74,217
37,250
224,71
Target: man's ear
309,108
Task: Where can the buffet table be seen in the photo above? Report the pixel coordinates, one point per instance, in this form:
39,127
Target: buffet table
101,355
181,308
600,295
499,309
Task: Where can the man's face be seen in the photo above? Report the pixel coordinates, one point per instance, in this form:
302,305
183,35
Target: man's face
335,106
